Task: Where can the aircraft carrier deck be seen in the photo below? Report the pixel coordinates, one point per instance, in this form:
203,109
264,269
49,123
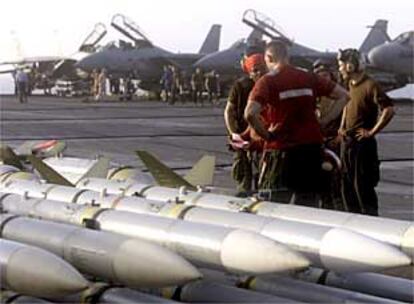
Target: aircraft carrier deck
179,135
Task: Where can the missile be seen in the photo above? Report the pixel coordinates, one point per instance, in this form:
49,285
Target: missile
132,262
323,245
73,169
203,244
211,292
395,232
11,173
288,288
35,272
368,283
337,249
105,293
10,297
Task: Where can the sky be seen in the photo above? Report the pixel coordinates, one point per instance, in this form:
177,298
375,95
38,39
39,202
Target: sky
57,27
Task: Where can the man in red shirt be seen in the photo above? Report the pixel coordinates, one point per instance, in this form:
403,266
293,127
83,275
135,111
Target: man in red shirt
292,158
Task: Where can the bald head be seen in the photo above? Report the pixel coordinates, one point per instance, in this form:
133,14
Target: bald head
276,53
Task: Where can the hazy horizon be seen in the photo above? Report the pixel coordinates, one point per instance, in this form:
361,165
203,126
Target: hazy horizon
46,27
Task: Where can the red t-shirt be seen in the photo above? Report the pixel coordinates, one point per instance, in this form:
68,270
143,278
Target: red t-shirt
290,98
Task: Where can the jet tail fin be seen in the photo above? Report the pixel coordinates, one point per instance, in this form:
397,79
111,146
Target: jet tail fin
202,172
212,42
376,36
49,174
163,175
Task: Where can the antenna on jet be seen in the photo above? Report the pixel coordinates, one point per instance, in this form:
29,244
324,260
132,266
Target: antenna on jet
130,29
265,25
90,42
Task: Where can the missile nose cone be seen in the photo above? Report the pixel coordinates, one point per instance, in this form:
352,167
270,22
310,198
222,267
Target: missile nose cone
40,273
156,266
347,251
249,252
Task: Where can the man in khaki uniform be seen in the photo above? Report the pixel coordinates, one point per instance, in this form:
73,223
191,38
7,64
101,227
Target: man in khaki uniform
359,125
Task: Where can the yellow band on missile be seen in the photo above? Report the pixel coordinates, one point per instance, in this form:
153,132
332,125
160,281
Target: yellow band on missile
174,212
167,292
254,207
88,213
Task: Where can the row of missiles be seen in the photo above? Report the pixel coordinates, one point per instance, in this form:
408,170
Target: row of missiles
148,238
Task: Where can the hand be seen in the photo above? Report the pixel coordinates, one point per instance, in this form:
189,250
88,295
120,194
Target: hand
273,131
362,133
341,132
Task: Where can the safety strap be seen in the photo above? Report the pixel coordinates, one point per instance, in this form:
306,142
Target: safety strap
4,223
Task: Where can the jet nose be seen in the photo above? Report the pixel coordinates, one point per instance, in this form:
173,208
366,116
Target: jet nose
379,56
88,63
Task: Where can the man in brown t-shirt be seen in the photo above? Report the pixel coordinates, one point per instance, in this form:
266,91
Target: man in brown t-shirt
360,123
244,159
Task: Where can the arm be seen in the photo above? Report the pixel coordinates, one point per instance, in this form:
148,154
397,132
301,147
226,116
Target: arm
230,118
386,115
341,130
252,116
341,96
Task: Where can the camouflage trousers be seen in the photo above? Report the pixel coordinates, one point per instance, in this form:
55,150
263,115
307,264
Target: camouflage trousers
293,176
244,171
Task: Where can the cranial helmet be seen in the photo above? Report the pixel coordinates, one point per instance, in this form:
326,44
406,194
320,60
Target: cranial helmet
352,56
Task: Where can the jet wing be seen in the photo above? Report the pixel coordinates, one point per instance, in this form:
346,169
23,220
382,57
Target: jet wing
183,60
29,60
163,174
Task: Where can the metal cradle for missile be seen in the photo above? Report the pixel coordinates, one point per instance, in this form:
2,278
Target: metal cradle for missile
204,244
293,289
369,283
211,292
36,272
396,232
132,262
337,249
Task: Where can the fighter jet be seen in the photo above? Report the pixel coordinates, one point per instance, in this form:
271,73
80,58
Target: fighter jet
227,62
395,56
45,70
141,59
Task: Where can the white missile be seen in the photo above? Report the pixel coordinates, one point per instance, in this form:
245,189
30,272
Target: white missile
293,289
369,283
105,293
395,232
10,297
204,244
210,292
36,272
132,262
337,249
